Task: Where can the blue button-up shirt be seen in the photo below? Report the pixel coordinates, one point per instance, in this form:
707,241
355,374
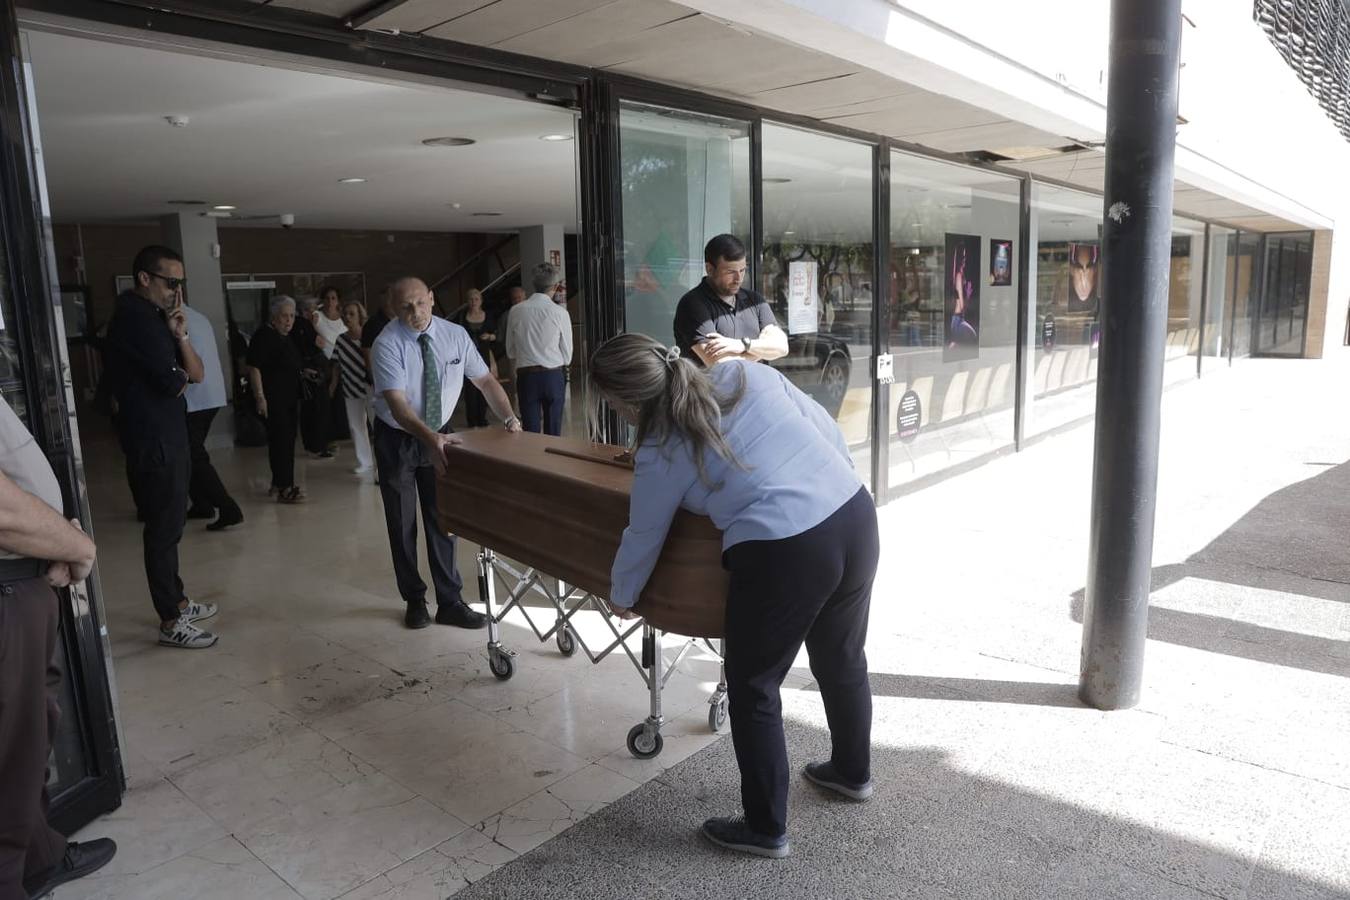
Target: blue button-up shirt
795,473
396,364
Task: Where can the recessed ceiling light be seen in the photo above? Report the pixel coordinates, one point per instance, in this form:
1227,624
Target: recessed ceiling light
485,214
351,181
555,137
187,202
789,232
225,207
448,141
456,205
916,224
777,180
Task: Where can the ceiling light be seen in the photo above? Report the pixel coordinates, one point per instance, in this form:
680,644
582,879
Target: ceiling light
217,214
776,180
485,214
187,202
789,232
225,207
555,137
916,224
448,141
351,181
456,205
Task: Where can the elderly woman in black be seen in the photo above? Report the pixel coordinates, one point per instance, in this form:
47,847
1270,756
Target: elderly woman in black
274,374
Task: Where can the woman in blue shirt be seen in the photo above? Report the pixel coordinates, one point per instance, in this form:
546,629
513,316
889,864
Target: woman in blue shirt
740,444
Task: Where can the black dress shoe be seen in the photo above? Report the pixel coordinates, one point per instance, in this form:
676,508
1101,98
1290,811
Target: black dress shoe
460,615
201,512
81,859
228,518
417,616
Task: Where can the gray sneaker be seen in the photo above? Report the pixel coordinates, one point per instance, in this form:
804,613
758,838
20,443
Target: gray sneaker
824,775
196,612
187,636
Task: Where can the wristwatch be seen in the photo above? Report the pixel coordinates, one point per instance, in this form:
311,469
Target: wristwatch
514,420
746,342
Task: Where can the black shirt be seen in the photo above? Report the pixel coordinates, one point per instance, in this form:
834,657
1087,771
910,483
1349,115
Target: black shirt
278,359
305,337
145,375
371,330
701,312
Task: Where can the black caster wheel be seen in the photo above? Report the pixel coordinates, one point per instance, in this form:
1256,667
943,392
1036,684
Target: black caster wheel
567,641
643,745
502,665
717,715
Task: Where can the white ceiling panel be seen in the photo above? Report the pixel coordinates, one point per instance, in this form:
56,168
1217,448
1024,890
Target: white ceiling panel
687,32
829,94
490,25
273,141
981,137
415,16
571,39
919,113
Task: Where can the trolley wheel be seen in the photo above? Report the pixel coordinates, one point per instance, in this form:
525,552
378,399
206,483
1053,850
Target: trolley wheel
567,641
502,664
717,714
642,744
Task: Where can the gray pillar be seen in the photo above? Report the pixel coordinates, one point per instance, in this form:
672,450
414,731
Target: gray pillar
1141,122
195,237
538,244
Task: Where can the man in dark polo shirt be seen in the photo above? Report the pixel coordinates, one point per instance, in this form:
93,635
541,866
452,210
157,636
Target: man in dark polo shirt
720,319
150,362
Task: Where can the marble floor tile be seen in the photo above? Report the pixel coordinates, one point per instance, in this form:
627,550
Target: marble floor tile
155,824
552,811
469,763
439,873
220,870
331,687
244,790
682,737
175,737
331,844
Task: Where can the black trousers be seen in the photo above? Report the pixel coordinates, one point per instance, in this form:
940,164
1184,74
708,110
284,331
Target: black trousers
314,415
159,474
542,393
815,588
475,405
407,480
205,489
281,422
29,680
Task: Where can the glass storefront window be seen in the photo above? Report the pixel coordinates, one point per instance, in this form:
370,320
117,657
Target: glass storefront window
1222,257
1245,294
817,272
952,323
1286,275
685,177
1183,300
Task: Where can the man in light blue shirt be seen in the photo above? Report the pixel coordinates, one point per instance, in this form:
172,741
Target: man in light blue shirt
204,399
419,362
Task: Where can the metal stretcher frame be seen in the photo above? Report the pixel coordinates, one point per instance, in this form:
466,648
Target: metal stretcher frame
644,739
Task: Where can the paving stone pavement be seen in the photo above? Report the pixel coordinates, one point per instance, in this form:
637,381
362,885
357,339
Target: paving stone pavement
1230,779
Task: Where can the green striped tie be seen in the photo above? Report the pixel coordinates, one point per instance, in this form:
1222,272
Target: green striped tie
431,384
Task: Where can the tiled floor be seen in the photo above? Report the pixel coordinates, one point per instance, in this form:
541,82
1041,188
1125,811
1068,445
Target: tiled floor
321,747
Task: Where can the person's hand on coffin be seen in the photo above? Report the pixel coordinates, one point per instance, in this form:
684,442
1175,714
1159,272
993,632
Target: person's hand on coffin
442,442
620,612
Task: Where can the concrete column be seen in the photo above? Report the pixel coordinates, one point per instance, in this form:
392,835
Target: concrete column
1321,311
195,237
539,244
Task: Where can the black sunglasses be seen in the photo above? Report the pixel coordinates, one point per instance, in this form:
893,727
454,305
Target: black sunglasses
172,284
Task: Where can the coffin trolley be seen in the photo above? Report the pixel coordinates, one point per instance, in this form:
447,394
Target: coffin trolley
559,507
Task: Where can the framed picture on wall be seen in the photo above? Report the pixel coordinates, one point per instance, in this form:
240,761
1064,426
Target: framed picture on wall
122,284
961,312
1000,263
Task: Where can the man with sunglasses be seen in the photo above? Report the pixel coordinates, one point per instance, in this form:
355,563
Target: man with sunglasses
150,362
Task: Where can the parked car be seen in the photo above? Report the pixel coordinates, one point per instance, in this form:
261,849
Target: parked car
819,365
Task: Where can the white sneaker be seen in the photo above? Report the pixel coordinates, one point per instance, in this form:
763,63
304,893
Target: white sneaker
187,636
361,470
196,612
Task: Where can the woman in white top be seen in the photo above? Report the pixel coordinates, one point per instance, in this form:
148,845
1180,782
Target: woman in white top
328,319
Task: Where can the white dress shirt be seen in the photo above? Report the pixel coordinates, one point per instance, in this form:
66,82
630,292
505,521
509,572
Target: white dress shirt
539,333
209,393
396,363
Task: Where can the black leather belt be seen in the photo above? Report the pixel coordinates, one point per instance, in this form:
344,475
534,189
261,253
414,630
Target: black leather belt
12,570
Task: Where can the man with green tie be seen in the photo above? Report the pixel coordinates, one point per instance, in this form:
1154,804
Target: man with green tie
419,363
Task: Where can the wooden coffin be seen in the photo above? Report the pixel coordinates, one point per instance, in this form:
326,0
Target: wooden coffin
519,496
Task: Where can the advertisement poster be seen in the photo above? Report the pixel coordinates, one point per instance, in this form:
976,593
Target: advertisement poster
1000,263
961,310
908,416
803,302
1081,278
